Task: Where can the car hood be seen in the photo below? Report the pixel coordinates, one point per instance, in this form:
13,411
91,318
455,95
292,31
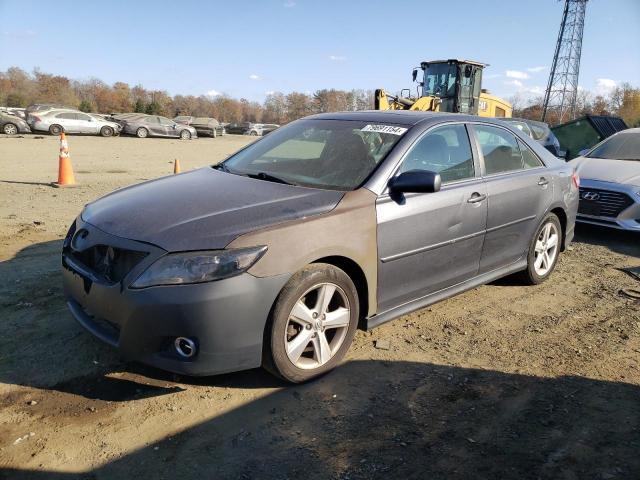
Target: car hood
614,171
203,209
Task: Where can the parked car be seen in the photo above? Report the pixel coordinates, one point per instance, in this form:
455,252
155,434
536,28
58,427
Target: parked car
540,132
16,112
41,108
72,121
11,125
205,126
261,129
144,126
237,128
610,182
275,256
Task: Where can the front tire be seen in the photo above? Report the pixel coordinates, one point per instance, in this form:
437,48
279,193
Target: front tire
106,131
10,129
56,129
543,251
185,135
142,132
312,323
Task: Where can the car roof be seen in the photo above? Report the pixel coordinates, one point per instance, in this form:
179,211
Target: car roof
402,117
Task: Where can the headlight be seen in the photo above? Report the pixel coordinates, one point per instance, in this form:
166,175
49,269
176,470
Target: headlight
198,267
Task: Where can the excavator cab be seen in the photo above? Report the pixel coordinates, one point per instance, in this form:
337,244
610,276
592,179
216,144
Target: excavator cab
457,83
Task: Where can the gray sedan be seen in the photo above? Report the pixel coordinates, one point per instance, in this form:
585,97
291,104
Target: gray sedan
11,124
144,126
610,182
72,121
336,221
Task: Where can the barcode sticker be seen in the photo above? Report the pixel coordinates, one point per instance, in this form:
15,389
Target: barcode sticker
384,129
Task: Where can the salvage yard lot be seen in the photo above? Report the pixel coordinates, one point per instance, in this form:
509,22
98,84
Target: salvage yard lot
504,381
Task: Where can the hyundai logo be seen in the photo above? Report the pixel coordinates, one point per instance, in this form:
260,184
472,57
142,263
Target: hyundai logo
592,196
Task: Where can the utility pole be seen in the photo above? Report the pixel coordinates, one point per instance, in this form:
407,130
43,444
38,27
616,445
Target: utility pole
562,89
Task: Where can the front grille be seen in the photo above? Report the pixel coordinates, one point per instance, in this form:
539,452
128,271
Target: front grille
603,203
108,263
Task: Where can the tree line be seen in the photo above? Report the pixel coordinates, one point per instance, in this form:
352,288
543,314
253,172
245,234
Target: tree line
20,89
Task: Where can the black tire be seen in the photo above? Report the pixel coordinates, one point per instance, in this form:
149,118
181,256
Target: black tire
106,131
56,129
142,132
185,135
275,358
10,129
253,133
529,276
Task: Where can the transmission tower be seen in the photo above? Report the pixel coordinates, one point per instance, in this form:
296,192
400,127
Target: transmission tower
562,89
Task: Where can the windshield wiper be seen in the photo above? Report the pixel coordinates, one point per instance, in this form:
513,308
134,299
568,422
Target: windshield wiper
268,177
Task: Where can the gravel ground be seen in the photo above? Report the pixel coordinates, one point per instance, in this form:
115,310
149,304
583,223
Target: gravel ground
504,381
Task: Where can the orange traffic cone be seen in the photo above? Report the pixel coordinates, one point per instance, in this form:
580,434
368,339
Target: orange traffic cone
176,166
65,172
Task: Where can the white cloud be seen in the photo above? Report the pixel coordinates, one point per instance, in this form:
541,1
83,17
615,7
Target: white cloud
516,74
269,92
515,83
536,69
289,4
605,85
534,90
213,93
253,76
337,58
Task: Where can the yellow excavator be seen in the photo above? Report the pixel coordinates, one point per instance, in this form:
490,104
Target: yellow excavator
447,86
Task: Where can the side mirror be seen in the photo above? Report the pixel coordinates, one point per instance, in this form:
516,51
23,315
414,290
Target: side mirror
414,75
415,181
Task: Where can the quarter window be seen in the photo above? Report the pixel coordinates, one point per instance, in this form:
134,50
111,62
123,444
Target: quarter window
499,149
446,151
529,158
82,116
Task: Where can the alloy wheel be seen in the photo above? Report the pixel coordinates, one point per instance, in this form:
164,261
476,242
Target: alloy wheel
317,326
10,129
546,249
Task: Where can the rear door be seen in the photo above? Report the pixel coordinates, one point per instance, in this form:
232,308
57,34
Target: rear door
429,241
519,192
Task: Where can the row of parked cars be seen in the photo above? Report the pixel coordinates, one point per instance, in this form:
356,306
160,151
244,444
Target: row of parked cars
55,119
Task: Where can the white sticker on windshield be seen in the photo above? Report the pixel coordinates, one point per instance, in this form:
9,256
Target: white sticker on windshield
384,129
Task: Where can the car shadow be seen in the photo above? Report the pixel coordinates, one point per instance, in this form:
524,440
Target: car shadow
619,241
403,420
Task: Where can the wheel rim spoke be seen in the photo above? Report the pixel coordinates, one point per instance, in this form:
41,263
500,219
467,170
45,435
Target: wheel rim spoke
325,294
539,260
301,314
296,347
552,242
539,246
337,319
322,350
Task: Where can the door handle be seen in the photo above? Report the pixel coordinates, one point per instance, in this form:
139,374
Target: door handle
476,197
543,182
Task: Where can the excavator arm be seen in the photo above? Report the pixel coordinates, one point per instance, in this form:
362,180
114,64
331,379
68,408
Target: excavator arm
385,101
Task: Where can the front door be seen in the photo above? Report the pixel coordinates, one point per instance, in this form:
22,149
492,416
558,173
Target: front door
429,241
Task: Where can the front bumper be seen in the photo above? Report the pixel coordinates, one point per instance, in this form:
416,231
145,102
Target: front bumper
226,318
628,218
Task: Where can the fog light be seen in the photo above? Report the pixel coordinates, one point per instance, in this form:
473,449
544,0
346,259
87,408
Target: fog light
185,347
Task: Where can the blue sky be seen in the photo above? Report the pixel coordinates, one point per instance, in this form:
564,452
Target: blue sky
249,48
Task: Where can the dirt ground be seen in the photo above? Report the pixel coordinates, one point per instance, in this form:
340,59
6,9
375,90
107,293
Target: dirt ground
504,381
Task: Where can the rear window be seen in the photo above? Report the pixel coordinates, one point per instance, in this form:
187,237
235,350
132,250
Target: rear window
623,146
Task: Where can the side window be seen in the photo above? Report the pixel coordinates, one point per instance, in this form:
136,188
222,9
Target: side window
152,120
66,116
538,132
529,158
499,149
445,150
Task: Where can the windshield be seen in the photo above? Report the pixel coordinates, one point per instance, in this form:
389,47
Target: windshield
440,80
623,146
332,154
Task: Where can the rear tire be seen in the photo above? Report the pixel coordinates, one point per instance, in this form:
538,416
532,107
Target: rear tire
10,129
312,323
142,132
56,129
106,131
544,251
